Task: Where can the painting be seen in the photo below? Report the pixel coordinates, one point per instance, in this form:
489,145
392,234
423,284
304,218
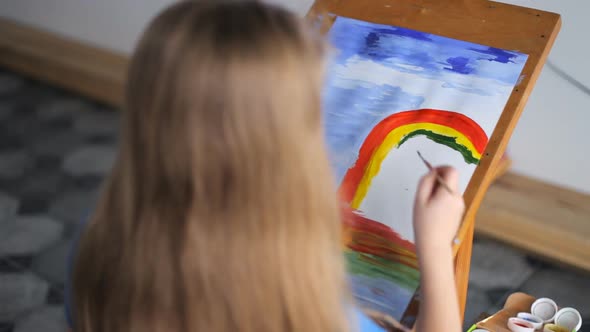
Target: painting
391,92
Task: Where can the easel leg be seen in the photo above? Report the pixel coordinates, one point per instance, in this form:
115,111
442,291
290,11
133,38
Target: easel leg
462,265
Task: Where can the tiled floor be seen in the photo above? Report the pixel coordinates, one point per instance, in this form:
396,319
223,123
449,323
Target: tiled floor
54,150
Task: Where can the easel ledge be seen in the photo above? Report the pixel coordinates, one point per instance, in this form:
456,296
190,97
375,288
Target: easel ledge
499,25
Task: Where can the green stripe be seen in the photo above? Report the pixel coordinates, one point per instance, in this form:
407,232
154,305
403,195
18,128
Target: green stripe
398,273
445,140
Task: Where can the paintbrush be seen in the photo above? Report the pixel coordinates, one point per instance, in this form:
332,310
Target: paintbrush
439,179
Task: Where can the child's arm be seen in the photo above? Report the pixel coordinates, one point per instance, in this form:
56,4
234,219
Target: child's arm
437,215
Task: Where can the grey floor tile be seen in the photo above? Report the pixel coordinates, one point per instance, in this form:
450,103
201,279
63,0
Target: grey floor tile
20,292
14,163
43,184
90,183
33,204
72,207
56,125
8,208
59,144
32,94
15,264
27,235
57,108
56,294
568,288
46,319
102,140
52,263
498,296
90,160
47,163
22,124
10,83
23,109
489,258
6,110
10,141
100,122
6,326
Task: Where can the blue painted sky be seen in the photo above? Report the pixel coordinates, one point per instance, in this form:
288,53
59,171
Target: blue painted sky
432,54
377,70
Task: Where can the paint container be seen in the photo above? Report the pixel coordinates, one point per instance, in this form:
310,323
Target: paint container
555,328
536,321
545,309
516,324
569,318
480,330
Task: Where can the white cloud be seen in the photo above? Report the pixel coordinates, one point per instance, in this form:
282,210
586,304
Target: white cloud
452,92
409,67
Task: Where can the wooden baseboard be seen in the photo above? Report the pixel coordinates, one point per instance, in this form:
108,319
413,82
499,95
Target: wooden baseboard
84,69
544,219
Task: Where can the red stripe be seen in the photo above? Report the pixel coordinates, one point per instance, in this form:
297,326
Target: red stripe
359,224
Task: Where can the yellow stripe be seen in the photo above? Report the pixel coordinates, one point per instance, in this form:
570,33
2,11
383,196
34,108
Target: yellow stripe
392,140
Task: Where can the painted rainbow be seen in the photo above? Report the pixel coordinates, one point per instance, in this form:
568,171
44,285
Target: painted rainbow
452,129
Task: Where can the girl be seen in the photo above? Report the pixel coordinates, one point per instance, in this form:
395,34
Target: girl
220,213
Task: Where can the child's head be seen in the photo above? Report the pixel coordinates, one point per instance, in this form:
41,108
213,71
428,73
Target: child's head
220,213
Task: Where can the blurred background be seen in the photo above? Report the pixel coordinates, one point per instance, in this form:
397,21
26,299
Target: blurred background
61,65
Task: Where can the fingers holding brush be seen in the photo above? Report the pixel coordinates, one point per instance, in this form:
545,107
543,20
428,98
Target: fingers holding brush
438,210
447,179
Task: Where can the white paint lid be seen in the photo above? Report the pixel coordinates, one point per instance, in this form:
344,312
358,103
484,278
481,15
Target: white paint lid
569,318
545,309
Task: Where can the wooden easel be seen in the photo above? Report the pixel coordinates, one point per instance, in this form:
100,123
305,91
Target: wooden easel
484,22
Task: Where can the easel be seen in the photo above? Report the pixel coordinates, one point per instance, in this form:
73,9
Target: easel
484,22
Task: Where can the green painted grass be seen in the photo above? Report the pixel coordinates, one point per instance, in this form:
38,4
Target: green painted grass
377,267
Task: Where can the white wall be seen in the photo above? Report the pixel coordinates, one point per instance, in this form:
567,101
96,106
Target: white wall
112,24
550,142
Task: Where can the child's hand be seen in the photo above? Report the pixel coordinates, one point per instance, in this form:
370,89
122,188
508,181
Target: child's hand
437,212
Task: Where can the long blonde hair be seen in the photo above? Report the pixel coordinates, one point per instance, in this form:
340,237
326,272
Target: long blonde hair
220,213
